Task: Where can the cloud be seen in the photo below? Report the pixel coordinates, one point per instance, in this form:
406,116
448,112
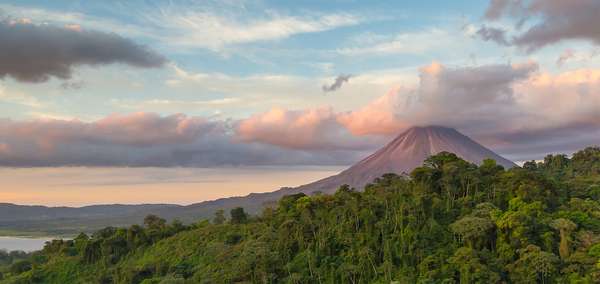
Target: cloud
4,150
496,9
72,85
558,20
380,117
465,97
493,34
419,42
313,129
18,98
566,55
35,53
175,104
145,139
198,28
338,82
571,55
471,98
517,109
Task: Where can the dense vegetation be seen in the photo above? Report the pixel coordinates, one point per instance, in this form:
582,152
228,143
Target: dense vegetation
448,222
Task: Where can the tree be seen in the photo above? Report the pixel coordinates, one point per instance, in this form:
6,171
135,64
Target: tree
587,161
80,241
565,227
530,165
21,266
238,215
471,268
473,230
154,222
91,252
136,236
533,266
219,217
155,227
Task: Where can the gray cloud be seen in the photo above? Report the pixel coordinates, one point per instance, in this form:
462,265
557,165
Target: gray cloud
495,9
532,144
498,8
508,108
35,53
493,34
474,99
567,55
558,20
338,82
72,85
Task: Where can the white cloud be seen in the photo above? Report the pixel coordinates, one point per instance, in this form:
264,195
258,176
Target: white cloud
419,42
176,105
75,20
18,98
202,29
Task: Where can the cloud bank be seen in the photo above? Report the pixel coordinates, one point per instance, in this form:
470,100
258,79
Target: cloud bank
145,139
516,109
35,53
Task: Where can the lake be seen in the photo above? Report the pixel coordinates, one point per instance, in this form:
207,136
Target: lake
21,243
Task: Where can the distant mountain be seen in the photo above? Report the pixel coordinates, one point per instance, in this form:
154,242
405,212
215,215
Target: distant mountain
406,152
36,220
13,212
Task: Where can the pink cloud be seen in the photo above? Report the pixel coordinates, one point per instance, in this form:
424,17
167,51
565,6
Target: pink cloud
148,139
137,129
147,129
561,99
378,117
4,149
315,129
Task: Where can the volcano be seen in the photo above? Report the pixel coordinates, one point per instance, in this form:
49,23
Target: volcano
406,152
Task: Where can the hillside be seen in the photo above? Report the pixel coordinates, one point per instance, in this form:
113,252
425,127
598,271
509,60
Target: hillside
451,221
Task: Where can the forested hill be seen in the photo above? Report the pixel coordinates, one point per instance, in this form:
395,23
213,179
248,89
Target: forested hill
450,222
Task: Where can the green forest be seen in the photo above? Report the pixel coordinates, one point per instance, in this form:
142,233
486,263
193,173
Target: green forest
449,221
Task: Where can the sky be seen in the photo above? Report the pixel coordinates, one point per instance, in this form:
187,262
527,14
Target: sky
224,87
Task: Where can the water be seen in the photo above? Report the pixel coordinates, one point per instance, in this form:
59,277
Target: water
21,243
